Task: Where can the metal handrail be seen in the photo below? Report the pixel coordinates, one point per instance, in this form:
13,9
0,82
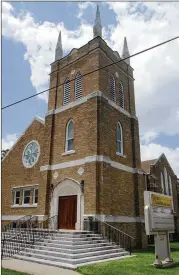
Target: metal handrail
24,238
108,231
115,228
10,225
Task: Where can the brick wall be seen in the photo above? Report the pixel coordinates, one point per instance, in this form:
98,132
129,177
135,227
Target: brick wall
14,173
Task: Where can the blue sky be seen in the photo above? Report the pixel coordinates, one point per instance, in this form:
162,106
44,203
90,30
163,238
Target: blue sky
30,31
16,82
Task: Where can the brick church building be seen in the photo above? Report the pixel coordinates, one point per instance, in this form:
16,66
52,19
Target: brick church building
84,159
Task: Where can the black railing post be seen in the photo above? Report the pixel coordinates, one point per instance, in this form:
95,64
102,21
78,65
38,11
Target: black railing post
130,248
2,248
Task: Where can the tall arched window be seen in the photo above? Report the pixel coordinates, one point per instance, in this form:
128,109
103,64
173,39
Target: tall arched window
162,184
112,87
119,139
166,181
78,86
69,136
170,187
66,92
121,95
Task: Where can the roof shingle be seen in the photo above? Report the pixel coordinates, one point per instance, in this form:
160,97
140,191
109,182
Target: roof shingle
146,164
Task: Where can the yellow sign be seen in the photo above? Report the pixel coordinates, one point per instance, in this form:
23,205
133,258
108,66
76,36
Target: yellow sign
160,200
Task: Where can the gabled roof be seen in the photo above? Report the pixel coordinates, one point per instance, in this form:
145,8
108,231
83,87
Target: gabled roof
146,164
37,118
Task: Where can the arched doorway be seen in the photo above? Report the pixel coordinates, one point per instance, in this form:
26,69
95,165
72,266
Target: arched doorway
67,203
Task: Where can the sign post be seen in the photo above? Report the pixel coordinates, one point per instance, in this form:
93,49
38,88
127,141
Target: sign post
159,221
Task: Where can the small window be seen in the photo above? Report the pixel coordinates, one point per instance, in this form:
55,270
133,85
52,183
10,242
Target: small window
70,136
66,92
119,139
166,181
16,197
162,184
26,197
35,198
78,86
121,95
112,88
170,187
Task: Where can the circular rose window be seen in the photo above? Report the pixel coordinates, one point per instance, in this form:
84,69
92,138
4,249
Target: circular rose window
31,154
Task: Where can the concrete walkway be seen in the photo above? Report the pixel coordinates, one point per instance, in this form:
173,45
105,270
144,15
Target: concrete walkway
35,269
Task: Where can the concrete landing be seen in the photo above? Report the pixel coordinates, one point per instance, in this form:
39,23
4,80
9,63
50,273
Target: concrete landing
34,268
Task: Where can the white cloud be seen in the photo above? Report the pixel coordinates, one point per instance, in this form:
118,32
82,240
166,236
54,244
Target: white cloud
153,150
156,72
149,136
39,40
8,141
83,6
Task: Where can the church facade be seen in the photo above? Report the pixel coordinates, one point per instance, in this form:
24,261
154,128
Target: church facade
83,160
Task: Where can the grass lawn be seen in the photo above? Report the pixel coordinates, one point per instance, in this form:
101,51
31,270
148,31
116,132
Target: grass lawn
139,265
5,271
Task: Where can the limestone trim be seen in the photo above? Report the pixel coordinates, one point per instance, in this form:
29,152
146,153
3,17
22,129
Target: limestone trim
25,186
15,217
67,187
95,158
24,205
118,219
85,99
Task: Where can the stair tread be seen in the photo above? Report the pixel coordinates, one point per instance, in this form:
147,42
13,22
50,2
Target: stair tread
67,248
71,254
74,260
35,246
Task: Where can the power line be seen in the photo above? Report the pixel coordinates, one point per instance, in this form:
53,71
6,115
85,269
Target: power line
113,63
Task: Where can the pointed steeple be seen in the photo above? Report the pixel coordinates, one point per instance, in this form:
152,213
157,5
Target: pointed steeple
97,28
59,50
125,52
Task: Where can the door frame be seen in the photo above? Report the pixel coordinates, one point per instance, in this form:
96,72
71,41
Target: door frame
67,187
60,197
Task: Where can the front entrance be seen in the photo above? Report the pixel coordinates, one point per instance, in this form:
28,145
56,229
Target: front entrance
67,214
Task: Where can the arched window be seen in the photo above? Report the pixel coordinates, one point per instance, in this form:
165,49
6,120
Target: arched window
119,139
112,87
69,136
66,92
121,95
162,184
166,181
78,86
170,187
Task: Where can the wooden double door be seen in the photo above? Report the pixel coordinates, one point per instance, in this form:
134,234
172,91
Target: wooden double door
67,214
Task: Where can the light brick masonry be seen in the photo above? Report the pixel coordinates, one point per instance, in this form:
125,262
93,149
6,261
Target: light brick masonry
113,183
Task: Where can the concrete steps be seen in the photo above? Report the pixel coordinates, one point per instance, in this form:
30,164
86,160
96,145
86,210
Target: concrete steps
75,251
74,261
70,249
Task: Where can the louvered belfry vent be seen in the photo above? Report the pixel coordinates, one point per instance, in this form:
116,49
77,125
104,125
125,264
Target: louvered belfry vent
78,86
121,95
66,96
112,88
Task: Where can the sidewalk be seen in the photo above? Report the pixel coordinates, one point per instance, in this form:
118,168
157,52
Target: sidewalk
35,269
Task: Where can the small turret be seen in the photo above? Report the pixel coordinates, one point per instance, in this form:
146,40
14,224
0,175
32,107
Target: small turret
59,50
97,28
125,52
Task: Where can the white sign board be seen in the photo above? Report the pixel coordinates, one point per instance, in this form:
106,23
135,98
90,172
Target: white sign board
158,213
159,220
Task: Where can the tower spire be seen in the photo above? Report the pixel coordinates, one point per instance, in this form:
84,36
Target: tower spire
125,51
59,50
97,28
